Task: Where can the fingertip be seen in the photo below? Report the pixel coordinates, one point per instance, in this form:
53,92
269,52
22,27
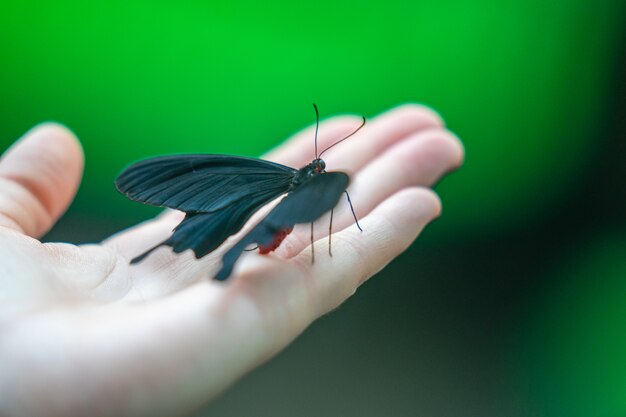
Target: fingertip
432,200
54,144
58,152
459,150
413,111
419,205
53,128
60,140
42,171
444,143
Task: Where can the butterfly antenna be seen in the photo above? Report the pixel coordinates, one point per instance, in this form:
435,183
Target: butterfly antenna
317,125
341,140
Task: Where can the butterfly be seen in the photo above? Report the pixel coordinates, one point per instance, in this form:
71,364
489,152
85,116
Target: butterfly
219,194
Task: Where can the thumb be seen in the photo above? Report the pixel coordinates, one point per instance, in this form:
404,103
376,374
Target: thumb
39,176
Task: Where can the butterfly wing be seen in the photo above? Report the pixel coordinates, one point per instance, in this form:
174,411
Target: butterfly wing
205,232
219,193
203,183
305,204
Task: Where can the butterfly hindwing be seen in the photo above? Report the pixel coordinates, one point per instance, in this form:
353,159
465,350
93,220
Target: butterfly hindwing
205,232
305,204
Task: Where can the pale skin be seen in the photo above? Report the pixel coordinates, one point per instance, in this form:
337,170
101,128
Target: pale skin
84,333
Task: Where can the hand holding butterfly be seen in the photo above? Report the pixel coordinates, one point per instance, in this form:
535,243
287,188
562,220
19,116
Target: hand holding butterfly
82,332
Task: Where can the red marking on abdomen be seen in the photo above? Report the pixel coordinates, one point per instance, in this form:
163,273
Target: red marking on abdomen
278,239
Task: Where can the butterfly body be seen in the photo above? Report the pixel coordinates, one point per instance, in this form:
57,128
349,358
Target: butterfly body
316,167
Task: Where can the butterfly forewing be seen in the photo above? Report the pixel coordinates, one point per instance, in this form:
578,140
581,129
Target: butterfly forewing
203,183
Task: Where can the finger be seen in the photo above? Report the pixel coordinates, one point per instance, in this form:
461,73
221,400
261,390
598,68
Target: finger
382,132
300,149
419,160
387,232
39,176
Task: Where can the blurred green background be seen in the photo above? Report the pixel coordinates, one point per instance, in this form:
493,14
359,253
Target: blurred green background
512,304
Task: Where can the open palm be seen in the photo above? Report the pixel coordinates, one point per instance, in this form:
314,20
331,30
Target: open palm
84,333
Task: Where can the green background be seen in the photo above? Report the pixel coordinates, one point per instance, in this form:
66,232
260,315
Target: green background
513,303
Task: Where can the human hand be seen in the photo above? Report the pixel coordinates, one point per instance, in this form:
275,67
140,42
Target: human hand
84,333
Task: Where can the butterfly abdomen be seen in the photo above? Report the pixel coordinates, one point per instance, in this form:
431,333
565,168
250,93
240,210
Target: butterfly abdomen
278,239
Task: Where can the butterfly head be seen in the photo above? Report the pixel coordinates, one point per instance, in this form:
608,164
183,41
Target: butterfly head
314,168
318,165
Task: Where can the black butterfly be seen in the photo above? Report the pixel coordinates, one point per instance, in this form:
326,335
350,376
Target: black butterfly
219,193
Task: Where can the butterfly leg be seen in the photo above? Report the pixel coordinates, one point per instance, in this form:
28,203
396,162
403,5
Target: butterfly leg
330,233
353,213
312,248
